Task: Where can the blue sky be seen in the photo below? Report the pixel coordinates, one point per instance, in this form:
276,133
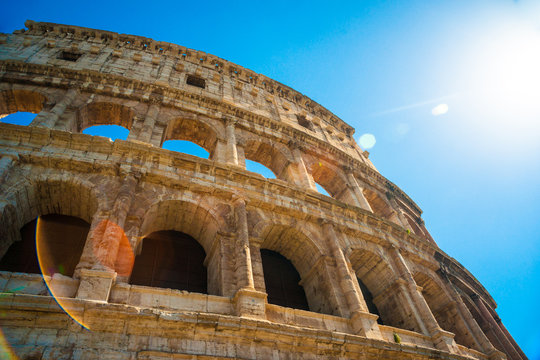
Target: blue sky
386,67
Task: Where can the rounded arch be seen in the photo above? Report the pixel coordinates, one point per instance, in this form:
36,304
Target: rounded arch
15,100
49,194
330,177
380,206
188,216
194,129
67,207
414,225
444,308
373,269
104,113
198,220
298,245
274,156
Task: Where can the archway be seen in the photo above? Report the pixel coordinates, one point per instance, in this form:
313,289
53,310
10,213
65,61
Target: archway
104,113
282,281
194,131
445,310
171,259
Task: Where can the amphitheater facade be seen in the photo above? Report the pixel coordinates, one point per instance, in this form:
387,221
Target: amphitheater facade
146,253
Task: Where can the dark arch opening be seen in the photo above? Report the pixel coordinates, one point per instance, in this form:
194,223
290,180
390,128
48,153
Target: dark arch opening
171,259
282,281
59,245
368,297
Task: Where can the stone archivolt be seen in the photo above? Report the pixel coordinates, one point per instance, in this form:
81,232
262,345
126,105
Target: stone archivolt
367,235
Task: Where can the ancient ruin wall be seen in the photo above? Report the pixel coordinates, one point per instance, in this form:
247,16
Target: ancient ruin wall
367,234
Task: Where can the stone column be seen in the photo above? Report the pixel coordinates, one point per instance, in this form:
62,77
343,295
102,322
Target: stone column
231,152
442,339
248,301
363,322
48,119
97,267
301,176
243,271
256,264
163,79
357,190
147,129
508,347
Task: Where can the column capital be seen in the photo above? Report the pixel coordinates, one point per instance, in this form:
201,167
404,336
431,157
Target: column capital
229,120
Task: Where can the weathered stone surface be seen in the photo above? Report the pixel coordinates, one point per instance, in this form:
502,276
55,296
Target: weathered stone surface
368,234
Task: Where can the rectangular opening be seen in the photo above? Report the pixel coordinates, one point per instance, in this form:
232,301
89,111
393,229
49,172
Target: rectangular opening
195,81
69,55
304,122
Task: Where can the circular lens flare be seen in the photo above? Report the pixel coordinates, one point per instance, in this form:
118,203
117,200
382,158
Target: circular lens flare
367,141
440,109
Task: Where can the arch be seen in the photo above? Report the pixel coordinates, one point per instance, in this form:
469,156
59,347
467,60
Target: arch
73,198
57,240
272,156
414,225
12,101
330,178
380,206
300,248
282,281
47,194
189,216
444,309
200,221
373,270
104,113
194,130
170,259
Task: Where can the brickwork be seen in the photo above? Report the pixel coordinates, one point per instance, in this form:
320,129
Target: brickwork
369,229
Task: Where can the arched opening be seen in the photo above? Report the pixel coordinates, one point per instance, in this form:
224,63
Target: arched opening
302,252
376,281
282,281
379,206
329,180
170,259
112,132
104,113
201,222
193,131
266,159
260,169
56,240
414,225
445,310
368,298
19,118
12,101
186,147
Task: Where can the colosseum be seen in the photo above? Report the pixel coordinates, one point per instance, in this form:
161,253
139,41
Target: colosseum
147,253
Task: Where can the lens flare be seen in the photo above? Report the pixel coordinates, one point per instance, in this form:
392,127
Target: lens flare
440,109
48,269
367,141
